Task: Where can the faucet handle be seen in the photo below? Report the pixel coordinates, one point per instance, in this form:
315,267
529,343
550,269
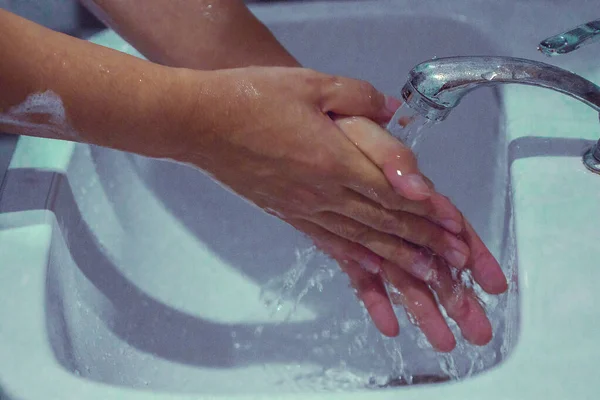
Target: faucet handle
571,40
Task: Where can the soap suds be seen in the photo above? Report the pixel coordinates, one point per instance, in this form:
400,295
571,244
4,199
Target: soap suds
46,106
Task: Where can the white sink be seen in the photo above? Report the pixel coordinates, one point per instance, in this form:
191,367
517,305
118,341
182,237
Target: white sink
127,277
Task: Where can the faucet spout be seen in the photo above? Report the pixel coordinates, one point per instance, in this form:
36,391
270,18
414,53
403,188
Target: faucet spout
435,87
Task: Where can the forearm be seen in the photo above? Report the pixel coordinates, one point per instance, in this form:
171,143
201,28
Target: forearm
197,34
84,92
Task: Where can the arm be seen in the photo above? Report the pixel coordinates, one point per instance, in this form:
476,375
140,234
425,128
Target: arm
85,92
198,34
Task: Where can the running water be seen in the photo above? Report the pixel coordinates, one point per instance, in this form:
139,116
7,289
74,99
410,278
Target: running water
406,126
350,351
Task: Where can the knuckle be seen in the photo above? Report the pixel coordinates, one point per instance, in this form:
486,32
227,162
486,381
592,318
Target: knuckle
304,199
390,224
425,208
358,235
402,228
430,235
392,200
314,81
374,97
340,229
399,253
352,232
373,216
331,80
367,89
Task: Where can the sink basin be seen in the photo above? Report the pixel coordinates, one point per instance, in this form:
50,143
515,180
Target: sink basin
138,278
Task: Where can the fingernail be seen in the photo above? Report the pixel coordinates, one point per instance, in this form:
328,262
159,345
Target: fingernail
458,253
456,258
417,184
422,268
447,215
392,105
408,185
371,264
451,225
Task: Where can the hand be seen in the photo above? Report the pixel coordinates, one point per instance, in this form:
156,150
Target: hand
270,138
416,295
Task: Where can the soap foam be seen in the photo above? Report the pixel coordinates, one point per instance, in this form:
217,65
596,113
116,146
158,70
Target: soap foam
47,104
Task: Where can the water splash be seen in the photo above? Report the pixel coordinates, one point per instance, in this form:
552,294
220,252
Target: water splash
350,351
295,283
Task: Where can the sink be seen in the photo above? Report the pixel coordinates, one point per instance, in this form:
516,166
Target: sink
137,278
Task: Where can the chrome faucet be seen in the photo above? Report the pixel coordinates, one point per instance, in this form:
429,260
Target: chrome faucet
571,40
435,87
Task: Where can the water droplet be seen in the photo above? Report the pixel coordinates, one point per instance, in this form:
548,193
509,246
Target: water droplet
489,76
413,320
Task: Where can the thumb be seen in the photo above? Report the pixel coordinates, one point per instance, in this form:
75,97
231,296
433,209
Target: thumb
345,96
396,160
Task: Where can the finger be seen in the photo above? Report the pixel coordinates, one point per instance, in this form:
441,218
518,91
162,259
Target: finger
338,247
461,305
400,167
484,267
345,96
397,161
410,227
445,213
362,267
366,179
416,261
371,291
420,305
437,208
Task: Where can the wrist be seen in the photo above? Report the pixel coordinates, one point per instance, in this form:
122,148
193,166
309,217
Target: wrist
165,113
191,110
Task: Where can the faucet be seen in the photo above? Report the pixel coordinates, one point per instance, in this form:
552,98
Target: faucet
435,87
571,40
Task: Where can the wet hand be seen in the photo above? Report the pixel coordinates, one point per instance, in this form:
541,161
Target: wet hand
270,138
419,238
